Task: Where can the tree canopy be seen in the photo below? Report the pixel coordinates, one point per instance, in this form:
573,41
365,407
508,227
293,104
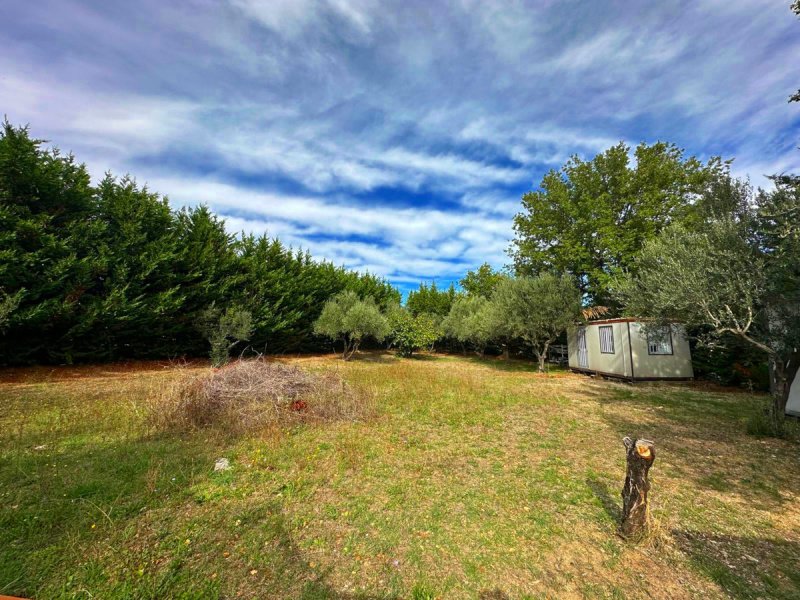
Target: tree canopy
738,275
482,281
410,332
590,218
111,271
536,309
431,300
471,322
350,319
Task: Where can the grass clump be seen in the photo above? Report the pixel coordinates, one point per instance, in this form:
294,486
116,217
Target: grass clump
250,394
764,422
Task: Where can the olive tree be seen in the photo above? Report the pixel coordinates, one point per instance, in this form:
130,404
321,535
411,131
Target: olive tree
224,330
350,319
470,322
737,276
536,310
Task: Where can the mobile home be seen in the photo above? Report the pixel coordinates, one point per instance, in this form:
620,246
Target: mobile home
622,348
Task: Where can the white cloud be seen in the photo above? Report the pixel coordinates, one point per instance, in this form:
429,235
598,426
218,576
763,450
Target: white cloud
409,242
465,100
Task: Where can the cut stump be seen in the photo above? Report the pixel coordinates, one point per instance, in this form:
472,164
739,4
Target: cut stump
635,510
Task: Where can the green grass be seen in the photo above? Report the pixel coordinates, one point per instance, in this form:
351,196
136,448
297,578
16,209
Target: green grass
476,479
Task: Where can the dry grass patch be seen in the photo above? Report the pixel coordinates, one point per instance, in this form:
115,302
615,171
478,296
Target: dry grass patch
247,395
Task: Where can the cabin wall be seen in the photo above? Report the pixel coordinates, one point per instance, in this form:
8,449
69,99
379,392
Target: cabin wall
631,357
572,347
662,366
616,363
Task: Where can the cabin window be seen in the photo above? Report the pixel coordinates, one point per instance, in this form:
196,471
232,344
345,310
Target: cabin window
607,339
659,341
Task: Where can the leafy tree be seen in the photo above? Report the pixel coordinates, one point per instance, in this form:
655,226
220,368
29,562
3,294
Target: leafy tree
207,268
429,299
590,218
224,331
738,276
51,249
348,318
7,306
410,333
536,310
482,281
141,296
111,271
470,322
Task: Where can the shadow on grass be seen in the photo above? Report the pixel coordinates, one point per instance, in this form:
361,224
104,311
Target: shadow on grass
745,567
513,365
609,503
744,467
378,357
67,496
73,512
495,594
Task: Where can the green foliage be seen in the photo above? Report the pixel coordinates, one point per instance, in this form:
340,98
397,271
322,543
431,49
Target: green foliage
536,310
734,363
224,330
410,332
430,300
589,219
738,275
349,319
7,305
482,281
110,271
47,241
471,322
695,277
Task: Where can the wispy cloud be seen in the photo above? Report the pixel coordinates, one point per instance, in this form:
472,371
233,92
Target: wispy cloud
394,137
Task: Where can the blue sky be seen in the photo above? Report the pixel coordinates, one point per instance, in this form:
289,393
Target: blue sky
394,137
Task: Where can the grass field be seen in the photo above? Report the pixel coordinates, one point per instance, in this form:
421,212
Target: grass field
475,479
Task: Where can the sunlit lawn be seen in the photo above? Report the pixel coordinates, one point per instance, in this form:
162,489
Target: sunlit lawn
475,479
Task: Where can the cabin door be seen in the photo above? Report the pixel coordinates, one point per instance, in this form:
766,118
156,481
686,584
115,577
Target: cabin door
583,353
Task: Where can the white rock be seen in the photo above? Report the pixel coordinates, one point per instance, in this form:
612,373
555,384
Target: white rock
222,464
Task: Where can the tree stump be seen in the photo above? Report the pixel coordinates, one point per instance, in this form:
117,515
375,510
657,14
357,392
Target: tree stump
635,511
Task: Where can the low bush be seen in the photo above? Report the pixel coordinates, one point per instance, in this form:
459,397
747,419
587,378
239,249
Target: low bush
763,422
251,394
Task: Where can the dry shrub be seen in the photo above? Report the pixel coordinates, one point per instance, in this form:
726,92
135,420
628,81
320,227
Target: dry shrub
251,394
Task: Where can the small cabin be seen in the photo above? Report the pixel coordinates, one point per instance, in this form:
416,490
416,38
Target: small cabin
623,348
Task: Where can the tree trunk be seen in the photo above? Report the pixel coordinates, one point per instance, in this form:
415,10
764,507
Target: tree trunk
506,354
353,349
635,510
543,357
346,351
783,372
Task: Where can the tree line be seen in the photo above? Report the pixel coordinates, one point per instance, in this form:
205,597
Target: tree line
110,271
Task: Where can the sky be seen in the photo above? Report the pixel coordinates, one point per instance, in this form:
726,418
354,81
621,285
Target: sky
394,137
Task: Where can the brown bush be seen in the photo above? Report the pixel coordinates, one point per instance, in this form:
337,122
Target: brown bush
249,394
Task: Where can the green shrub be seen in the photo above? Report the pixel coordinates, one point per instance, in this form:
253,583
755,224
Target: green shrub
411,333
224,331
